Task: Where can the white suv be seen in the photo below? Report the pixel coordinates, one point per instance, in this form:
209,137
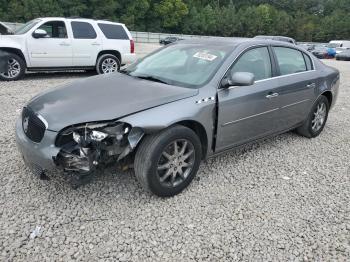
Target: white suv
67,43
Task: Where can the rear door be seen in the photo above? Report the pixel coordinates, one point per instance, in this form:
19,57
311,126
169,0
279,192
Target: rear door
297,84
86,43
115,38
248,112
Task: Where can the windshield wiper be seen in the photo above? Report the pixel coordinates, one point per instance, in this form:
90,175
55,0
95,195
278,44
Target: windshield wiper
152,78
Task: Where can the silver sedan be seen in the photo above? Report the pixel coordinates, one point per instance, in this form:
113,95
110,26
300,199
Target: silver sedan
181,104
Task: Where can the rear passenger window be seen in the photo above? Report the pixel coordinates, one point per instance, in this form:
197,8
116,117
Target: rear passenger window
83,30
308,62
290,61
256,61
113,31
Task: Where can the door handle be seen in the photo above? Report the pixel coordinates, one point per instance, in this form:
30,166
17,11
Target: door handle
95,43
311,85
272,95
64,44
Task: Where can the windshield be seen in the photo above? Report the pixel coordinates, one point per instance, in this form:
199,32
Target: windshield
26,27
186,65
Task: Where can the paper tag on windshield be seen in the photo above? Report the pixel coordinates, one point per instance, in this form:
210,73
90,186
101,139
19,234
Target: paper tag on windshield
205,56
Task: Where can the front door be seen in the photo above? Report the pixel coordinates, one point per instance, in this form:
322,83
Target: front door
54,50
248,112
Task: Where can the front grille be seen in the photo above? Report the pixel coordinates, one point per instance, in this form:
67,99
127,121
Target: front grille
32,125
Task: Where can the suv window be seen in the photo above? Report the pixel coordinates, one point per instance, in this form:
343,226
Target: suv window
290,61
113,31
55,29
83,30
256,61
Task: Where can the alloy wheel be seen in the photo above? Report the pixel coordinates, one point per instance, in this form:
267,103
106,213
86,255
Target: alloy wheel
14,69
176,163
109,65
319,117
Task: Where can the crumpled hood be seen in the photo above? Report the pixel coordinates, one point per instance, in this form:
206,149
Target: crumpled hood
104,97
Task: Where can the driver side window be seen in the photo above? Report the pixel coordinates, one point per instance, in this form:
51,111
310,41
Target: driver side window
55,29
256,61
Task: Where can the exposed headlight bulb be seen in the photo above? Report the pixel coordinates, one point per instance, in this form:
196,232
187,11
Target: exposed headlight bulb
76,137
97,135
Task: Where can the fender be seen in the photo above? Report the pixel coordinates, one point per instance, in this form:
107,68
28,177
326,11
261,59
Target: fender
16,44
187,110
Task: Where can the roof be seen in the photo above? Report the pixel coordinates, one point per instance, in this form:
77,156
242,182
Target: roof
234,41
79,19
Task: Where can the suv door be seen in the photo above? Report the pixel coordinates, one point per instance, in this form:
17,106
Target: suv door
116,38
54,50
86,44
248,112
297,83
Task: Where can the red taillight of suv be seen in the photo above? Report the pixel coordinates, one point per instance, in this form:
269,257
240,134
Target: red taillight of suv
132,46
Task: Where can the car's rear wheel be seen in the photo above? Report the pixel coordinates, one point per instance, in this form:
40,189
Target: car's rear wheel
167,162
316,120
107,64
16,68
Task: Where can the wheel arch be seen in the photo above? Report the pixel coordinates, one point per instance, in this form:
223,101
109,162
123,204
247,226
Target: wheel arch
199,129
110,52
329,96
15,51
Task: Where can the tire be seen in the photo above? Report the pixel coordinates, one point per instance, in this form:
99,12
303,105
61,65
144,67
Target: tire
150,161
308,129
107,63
17,68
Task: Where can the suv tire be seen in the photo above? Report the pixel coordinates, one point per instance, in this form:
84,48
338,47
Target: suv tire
166,162
107,63
16,70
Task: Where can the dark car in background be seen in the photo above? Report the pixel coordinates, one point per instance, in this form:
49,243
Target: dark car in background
322,51
307,46
277,38
344,55
169,40
4,59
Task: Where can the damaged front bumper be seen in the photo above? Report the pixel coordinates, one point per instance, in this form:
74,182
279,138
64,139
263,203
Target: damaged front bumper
82,156
37,156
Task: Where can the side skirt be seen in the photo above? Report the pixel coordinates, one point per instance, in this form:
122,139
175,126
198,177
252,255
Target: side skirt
215,154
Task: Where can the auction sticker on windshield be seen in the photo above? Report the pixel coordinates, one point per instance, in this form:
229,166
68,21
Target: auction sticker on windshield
205,56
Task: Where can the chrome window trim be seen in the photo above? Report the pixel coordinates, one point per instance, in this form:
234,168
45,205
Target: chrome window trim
271,78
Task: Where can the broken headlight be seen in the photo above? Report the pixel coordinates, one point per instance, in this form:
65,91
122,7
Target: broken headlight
87,146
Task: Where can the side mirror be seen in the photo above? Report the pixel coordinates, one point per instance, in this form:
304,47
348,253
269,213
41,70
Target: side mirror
39,33
238,79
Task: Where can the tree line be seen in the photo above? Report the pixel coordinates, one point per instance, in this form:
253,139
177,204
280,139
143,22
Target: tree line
304,20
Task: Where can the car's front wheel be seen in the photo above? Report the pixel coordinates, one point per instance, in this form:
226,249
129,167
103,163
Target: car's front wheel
107,63
16,68
316,120
166,163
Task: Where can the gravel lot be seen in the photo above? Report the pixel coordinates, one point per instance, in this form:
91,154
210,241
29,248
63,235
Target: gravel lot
285,198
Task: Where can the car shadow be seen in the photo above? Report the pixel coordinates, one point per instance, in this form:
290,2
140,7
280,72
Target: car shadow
58,74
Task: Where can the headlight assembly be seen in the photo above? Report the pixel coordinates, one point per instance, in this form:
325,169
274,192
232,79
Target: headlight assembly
86,146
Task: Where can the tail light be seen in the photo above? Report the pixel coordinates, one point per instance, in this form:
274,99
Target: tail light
132,46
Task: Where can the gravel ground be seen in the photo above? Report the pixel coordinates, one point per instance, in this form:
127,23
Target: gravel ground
285,198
